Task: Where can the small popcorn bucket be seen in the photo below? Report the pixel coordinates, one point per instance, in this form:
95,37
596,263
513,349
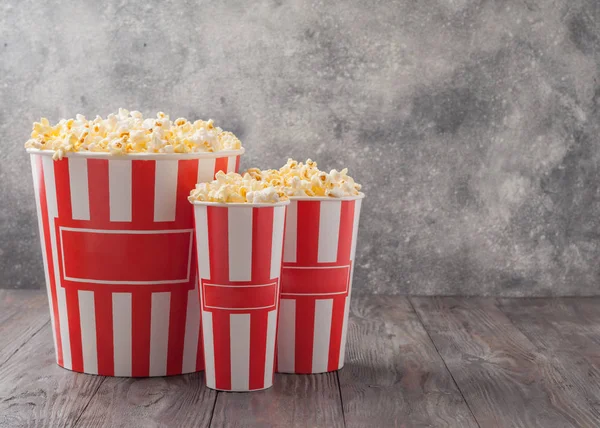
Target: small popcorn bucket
239,261
119,258
316,281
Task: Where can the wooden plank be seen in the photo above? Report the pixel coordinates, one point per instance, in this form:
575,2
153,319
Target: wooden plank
565,325
177,401
393,375
293,401
568,334
502,375
22,314
36,392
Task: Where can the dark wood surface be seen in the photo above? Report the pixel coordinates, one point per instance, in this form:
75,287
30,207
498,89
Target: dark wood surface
410,362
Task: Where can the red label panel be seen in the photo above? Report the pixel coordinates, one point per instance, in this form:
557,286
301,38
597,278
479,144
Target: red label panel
126,257
315,281
239,297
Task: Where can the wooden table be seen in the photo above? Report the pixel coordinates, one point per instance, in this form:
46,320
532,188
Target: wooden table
419,361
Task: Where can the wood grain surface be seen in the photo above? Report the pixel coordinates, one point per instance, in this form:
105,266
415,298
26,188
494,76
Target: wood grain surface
293,401
393,375
35,392
175,401
505,379
410,362
22,314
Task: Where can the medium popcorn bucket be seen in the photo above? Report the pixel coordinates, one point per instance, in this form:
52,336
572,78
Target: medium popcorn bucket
316,281
119,259
239,261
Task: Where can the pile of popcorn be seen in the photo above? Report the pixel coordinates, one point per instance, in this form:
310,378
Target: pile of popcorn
272,186
305,179
128,132
233,187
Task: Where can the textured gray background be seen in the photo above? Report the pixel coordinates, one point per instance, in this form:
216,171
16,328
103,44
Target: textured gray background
473,125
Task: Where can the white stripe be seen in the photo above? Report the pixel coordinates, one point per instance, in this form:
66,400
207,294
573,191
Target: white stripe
209,349
63,317
36,190
278,222
286,337
329,230
344,333
231,163
159,333
240,243
192,330
323,314
206,170
119,184
48,165
202,241
270,356
87,321
122,333
165,190
291,226
239,337
78,180
357,205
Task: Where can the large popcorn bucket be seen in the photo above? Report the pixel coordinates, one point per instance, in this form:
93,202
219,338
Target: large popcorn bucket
239,261
119,259
316,281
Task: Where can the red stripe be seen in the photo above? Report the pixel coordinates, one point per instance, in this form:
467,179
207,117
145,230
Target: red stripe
222,347
74,329
305,328
307,236
63,189
335,337
187,174
258,348
262,241
98,190
218,244
104,333
221,165
49,259
237,163
177,318
142,191
240,297
141,307
345,235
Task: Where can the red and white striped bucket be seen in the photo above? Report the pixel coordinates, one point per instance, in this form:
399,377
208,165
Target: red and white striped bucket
240,247
119,259
316,282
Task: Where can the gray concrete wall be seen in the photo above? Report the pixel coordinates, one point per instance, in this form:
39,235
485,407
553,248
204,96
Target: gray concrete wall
473,125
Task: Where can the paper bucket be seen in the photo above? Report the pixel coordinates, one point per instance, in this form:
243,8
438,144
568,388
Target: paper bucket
239,261
117,245
316,281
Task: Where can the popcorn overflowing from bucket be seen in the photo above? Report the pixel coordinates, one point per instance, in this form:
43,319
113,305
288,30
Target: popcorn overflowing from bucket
305,179
237,188
128,132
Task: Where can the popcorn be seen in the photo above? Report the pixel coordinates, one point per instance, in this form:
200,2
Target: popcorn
128,132
237,188
298,179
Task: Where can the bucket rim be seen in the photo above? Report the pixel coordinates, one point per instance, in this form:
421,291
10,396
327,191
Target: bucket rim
141,156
